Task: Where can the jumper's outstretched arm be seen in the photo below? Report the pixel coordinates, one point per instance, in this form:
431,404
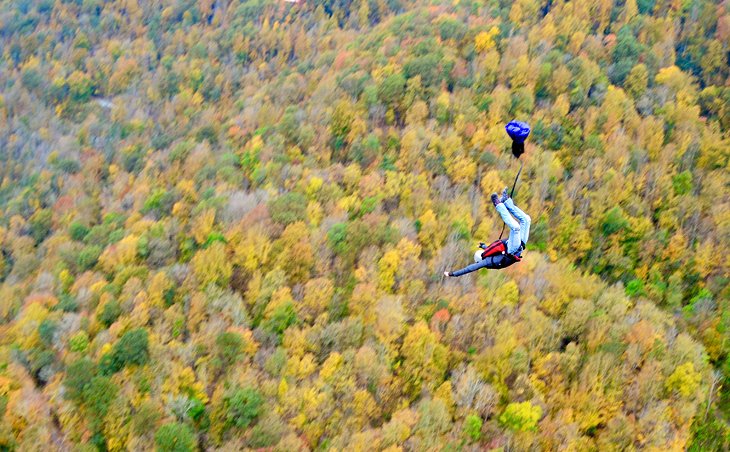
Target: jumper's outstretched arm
469,268
494,262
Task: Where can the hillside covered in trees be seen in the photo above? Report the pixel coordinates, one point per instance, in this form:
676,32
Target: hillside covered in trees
223,225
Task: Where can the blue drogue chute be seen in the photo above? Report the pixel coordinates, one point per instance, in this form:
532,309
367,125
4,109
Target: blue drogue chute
518,131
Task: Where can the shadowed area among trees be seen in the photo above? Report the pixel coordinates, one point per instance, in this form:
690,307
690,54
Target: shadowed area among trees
223,225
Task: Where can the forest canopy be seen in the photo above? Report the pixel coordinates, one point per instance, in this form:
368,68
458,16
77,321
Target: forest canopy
223,225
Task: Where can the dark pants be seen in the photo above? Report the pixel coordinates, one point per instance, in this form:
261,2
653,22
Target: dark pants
498,261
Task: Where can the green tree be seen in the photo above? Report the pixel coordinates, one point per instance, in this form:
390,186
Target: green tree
289,208
614,221
78,375
110,312
473,427
243,406
79,342
230,347
392,89
98,396
131,349
281,318
78,231
88,257
40,224
625,55
46,330
175,437
682,183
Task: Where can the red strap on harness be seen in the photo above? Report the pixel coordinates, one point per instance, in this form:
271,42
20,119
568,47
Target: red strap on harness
494,248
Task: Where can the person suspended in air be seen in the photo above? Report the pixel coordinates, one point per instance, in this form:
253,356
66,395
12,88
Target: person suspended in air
502,253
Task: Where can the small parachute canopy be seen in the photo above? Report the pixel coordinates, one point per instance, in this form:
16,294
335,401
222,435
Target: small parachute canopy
518,131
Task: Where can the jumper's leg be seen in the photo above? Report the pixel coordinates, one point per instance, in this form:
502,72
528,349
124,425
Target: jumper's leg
522,217
515,234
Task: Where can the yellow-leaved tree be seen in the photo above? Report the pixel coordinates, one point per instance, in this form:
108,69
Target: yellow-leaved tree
484,41
212,266
424,359
387,269
684,380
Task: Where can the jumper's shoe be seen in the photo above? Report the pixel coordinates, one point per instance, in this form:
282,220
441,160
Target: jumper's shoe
505,195
495,199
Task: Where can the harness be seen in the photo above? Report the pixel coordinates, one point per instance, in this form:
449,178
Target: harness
499,248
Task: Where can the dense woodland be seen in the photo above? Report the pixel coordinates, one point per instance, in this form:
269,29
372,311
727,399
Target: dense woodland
223,225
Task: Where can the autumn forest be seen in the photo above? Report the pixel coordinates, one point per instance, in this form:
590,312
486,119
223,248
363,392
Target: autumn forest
224,225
